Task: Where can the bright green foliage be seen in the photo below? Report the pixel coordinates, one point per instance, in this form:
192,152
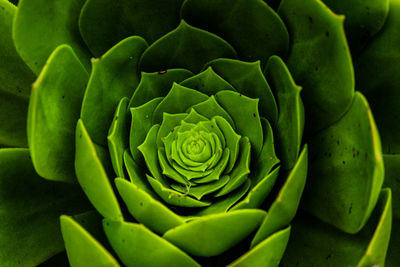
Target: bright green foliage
15,84
53,111
182,122
25,237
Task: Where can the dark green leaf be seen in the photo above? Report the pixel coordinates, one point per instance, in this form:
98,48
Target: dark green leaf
319,60
251,26
104,23
346,170
185,47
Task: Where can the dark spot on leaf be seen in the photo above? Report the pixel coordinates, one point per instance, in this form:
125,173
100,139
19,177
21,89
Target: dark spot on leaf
63,96
116,118
344,162
141,204
80,135
172,130
316,68
327,34
328,257
329,154
338,142
310,19
254,115
162,72
350,208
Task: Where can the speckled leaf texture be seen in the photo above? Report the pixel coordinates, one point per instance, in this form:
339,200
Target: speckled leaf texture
199,133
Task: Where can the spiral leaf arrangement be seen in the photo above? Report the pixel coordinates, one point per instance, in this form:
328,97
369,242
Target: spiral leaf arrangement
170,133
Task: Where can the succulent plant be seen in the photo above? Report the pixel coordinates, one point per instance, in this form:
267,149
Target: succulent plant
170,133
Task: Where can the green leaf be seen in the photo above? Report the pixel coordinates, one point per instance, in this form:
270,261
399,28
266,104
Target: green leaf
152,213
207,82
137,246
267,158
247,119
137,175
240,171
232,140
29,27
185,47
30,207
346,170
318,38
213,234
53,111
248,79
392,180
15,84
222,204
382,87
118,137
150,153
114,75
364,18
314,243
284,207
140,126
210,108
201,190
289,129
156,84
268,253
82,248
104,23
92,176
256,196
235,22
175,198
178,100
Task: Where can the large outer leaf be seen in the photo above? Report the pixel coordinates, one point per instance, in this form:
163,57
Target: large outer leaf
53,111
377,76
319,60
364,18
29,211
84,250
56,22
114,75
196,47
392,180
313,243
346,170
251,26
15,84
104,23
138,246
